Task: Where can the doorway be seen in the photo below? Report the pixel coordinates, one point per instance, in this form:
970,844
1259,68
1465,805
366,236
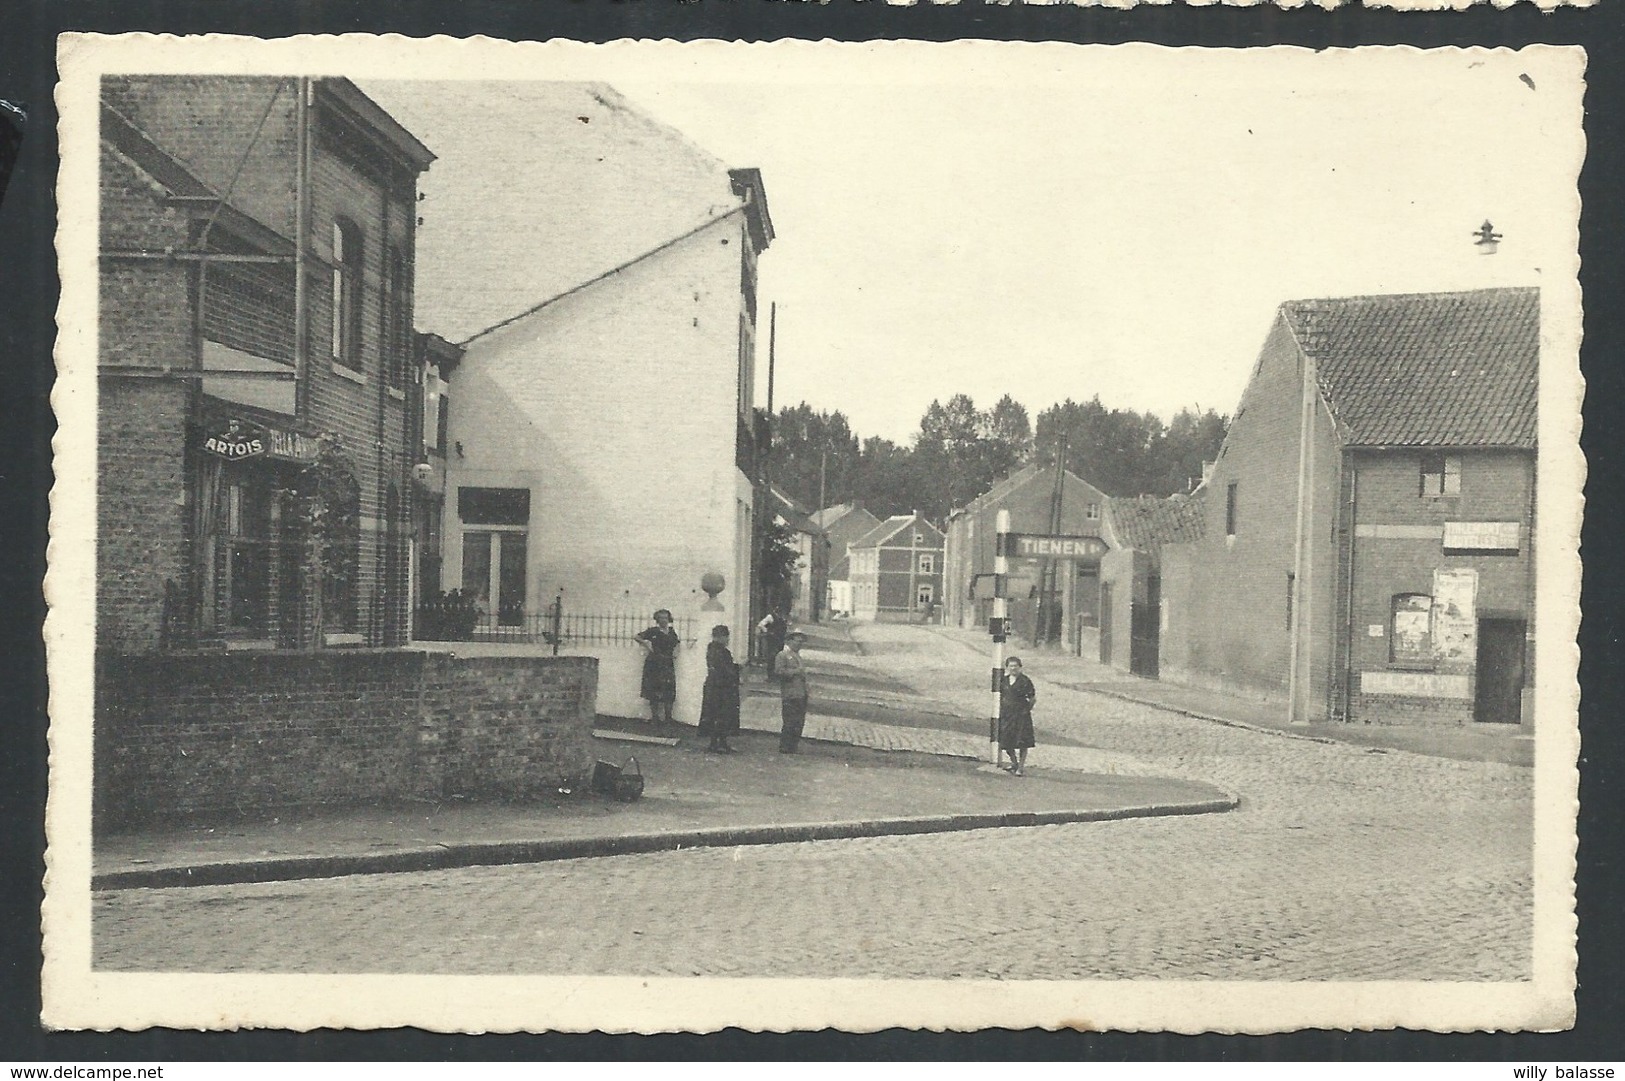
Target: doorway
1498,695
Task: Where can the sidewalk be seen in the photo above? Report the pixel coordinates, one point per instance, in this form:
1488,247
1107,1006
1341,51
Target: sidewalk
881,780
1510,744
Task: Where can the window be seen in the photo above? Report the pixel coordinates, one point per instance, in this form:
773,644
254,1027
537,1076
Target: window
925,594
495,554
1230,509
928,563
1291,587
347,294
919,539
1091,511
441,423
1441,475
396,345
1410,637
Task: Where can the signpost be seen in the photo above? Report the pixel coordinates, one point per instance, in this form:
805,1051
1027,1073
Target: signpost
999,625
1037,546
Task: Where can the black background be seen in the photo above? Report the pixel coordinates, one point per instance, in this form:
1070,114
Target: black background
28,292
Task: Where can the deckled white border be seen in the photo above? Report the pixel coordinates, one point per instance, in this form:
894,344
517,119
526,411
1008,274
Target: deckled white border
77,997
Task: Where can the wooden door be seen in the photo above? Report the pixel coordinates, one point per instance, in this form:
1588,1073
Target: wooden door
1498,696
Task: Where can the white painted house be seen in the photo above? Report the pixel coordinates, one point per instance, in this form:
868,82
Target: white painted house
599,271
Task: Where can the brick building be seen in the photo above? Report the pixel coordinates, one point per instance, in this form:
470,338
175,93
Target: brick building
258,406
842,524
1368,544
897,571
1067,593
604,452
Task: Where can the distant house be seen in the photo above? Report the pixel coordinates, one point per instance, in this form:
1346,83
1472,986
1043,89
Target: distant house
1367,549
842,524
1066,596
604,453
1134,617
897,571
809,589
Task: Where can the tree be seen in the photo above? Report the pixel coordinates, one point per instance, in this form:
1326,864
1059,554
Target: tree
815,455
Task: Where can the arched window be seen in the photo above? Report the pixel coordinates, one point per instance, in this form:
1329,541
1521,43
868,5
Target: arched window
1410,629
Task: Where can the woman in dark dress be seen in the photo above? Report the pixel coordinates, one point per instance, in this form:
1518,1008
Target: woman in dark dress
1016,697
719,705
660,644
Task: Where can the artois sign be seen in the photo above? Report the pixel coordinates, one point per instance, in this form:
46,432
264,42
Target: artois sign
237,442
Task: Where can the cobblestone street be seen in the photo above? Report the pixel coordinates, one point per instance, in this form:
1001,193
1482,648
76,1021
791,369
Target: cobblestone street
1342,862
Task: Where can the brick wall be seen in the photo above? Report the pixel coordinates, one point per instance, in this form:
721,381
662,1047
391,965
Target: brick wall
142,534
208,122
181,734
1232,590
1496,485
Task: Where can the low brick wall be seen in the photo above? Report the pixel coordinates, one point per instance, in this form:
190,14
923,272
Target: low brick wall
195,733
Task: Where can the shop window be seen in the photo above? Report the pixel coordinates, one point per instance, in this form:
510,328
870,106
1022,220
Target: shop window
243,559
341,557
1410,630
1441,475
347,264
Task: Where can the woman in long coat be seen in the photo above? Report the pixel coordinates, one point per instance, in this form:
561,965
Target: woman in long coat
660,644
719,705
1016,697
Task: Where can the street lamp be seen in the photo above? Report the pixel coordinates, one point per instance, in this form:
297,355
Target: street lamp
1488,240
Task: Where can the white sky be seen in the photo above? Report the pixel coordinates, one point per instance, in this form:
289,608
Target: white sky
1070,222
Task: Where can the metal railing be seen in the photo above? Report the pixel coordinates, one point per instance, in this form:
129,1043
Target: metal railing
551,627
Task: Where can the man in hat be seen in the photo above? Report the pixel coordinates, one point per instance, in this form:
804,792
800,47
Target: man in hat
792,677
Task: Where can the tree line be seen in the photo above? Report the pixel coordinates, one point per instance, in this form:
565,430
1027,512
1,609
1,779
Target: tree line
960,451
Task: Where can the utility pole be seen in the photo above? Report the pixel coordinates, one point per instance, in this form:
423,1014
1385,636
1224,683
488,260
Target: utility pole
1049,581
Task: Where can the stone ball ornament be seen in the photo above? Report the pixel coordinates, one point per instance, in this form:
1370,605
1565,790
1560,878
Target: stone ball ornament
712,583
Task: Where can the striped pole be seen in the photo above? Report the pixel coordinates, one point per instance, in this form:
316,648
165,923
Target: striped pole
999,625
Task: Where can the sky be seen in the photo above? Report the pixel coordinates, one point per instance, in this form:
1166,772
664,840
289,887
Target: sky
1060,222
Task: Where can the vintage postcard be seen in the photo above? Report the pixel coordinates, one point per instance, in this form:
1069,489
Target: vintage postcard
662,537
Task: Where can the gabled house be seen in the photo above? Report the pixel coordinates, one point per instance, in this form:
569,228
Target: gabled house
1367,553
1064,596
842,524
809,588
256,364
604,454
897,571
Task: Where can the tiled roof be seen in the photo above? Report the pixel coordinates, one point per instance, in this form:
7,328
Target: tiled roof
1148,522
539,187
1426,369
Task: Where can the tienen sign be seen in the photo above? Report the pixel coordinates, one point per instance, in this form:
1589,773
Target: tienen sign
1035,546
